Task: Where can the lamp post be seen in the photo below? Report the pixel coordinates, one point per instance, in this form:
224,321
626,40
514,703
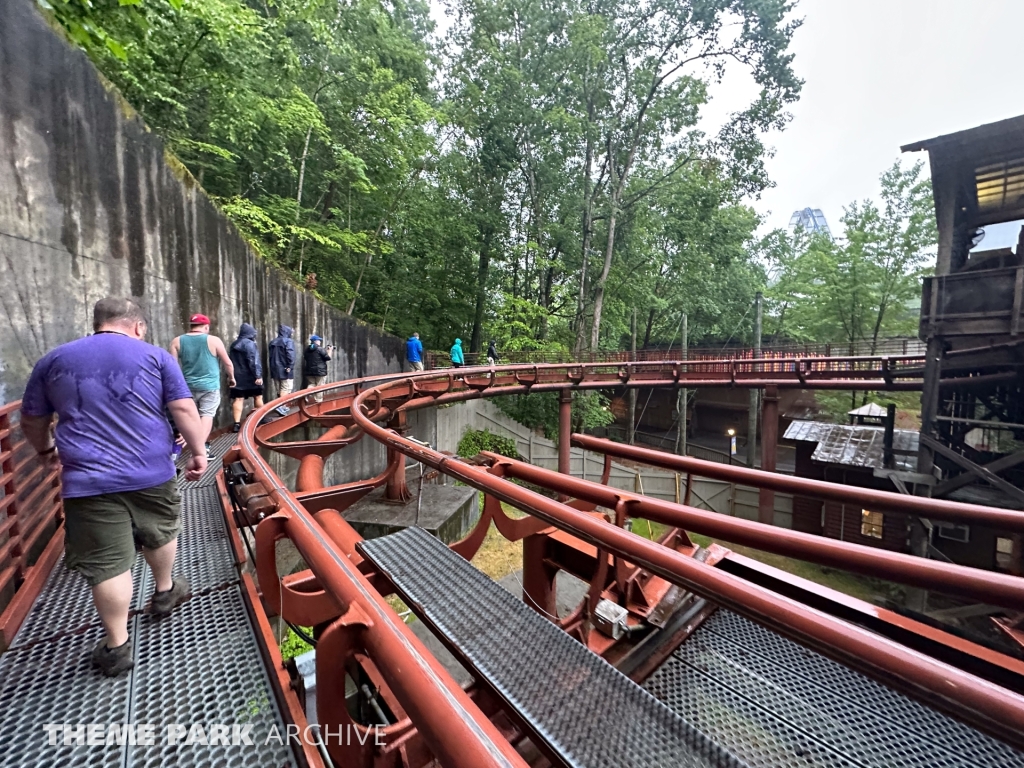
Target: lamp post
732,443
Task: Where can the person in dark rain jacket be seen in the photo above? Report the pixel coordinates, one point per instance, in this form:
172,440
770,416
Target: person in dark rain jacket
314,365
245,356
282,361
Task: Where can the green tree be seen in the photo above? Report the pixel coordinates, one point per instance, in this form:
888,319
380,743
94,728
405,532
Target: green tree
534,177
662,58
867,285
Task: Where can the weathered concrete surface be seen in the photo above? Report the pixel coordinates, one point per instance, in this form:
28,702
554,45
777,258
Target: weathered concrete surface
89,207
447,511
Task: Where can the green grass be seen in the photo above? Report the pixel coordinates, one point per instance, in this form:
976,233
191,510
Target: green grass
498,557
861,587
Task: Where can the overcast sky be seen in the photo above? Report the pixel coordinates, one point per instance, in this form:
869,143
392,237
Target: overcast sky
879,74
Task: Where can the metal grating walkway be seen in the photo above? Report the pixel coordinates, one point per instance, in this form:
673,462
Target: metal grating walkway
200,665
777,704
585,710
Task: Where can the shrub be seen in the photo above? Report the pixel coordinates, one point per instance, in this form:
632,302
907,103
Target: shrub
476,440
293,645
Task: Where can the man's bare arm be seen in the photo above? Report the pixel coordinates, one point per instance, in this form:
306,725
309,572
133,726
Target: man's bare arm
225,360
174,348
38,432
186,419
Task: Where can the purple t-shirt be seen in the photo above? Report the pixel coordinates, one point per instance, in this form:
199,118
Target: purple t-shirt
109,391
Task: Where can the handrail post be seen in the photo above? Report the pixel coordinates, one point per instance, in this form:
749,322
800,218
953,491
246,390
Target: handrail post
10,487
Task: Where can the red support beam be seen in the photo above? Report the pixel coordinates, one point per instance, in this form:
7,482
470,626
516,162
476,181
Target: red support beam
538,576
396,489
984,586
564,431
883,501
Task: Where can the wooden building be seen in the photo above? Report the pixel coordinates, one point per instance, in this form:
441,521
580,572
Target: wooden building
855,455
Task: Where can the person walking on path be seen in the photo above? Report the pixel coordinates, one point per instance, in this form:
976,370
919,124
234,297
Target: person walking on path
314,365
457,359
200,356
245,357
282,361
414,352
492,353
113,445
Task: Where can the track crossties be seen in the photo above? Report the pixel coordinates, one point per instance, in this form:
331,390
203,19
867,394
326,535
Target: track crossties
780,705
585,710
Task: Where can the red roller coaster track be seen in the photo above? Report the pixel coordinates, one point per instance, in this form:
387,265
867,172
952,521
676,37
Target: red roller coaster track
343,595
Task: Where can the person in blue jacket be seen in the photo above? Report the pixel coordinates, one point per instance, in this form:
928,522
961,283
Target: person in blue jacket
457,359
414,352
282,361
245,356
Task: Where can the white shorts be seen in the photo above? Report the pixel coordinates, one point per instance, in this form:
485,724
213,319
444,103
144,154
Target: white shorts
207,401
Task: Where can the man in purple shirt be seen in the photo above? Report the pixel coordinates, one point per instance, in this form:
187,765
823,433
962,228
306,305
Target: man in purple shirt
113,445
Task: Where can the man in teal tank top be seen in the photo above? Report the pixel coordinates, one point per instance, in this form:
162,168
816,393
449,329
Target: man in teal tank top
200,356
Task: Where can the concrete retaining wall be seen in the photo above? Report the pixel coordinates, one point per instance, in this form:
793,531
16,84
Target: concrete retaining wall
715,495
90,207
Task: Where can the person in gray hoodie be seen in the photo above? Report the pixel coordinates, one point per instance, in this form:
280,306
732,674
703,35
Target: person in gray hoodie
245,356
282,361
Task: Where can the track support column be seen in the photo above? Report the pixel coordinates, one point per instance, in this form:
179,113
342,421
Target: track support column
538,576
397,490
769,445
564,430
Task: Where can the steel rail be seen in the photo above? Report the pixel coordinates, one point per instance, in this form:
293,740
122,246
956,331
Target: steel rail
869,498
438,387
431,698
455,729
985,586
961,694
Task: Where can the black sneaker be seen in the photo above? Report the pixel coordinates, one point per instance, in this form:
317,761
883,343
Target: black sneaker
236,426
113,661
165,602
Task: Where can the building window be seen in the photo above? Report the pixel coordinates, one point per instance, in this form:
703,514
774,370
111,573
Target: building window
1004,553
871,523
954,532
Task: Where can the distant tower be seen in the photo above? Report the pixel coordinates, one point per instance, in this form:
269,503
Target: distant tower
811,219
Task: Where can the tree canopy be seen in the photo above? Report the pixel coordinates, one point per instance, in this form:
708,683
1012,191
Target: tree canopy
535,176
865,286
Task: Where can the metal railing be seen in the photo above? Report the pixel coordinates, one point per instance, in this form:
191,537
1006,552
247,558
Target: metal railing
902,347
337,591
31,513
667,442
707,454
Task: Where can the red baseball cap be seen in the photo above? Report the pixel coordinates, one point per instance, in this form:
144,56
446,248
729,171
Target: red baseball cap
198,319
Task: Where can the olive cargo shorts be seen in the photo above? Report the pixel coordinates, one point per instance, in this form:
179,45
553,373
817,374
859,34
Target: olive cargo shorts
101,531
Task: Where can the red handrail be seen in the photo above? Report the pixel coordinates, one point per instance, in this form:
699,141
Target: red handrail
363,403
31,524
